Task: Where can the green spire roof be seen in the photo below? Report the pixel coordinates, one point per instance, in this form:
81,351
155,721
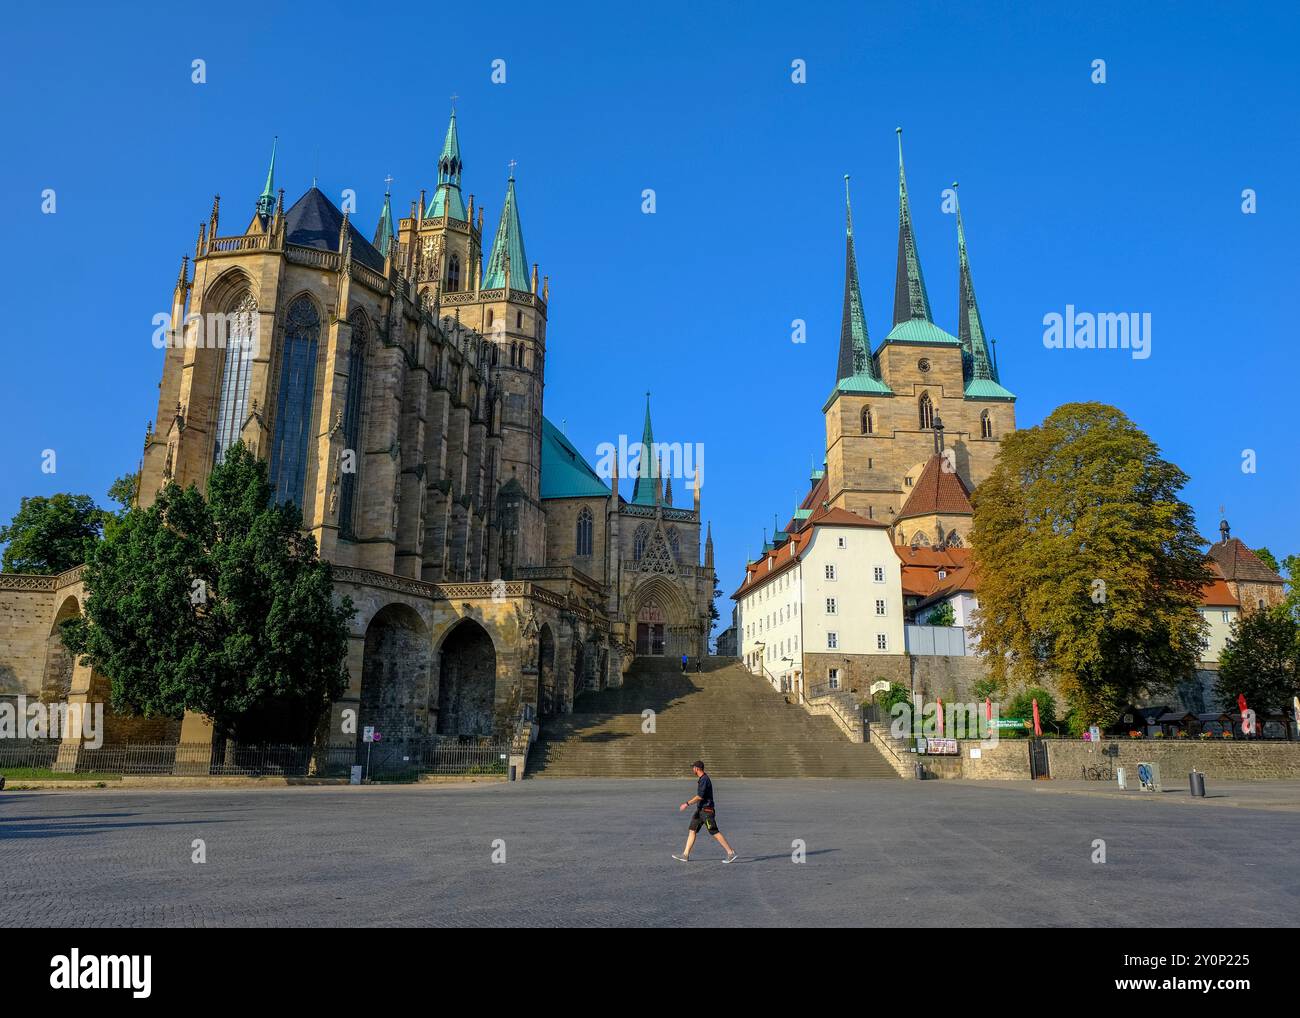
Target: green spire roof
384,232
266,200
970,327
509,238
910,299
646,489
447,199
856,372
565,474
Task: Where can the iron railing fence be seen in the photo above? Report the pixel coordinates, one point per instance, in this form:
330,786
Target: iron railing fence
383,762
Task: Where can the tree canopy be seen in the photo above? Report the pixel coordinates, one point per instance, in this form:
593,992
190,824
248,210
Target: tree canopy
216,605
51,534
1261,660
1089,561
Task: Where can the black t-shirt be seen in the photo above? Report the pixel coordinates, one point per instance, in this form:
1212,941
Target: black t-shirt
704,789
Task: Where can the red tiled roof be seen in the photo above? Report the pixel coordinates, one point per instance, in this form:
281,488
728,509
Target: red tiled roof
1217,594
921,568
787,553
937,491
1237,562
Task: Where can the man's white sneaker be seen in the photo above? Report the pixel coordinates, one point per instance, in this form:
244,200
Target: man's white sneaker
731,858
681,858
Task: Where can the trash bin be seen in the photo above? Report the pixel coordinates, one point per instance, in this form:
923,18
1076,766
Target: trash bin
1197,781
920,772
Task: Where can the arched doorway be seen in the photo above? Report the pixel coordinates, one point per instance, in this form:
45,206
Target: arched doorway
545,672
579,667
651,624
395,676
56,680
467,681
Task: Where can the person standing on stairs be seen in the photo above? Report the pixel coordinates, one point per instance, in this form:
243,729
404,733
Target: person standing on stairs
685,660
705,815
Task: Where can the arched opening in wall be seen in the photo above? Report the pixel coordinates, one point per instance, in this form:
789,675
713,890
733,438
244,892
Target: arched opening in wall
352,421
986,425
651,625
639,541
584,529
467,681
453,274
395,676
241,346
56,680
868,421
579,667
294,404
926,412
546,698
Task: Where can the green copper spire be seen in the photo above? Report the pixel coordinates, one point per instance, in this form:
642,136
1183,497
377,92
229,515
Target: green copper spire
646,489
855,346
910,299
509,244
385,232
447,199
970,327
266,200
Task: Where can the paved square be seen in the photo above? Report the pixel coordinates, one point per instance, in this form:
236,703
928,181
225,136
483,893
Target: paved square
586,852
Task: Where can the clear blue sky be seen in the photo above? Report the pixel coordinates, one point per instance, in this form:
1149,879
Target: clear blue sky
1117,197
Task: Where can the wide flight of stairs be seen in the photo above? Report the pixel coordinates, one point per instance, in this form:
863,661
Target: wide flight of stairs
736,723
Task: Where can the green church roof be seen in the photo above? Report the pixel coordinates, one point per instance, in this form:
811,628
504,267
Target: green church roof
911,301
919,331
986,388
509,238
647,477
565,474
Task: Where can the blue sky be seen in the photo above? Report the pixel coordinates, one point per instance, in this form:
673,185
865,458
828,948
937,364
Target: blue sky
1124,196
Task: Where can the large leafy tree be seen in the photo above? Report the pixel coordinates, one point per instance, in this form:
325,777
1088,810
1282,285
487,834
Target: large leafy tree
217,605
1089,562
1261,660
49,535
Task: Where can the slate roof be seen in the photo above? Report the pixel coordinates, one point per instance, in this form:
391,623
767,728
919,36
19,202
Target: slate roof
315,221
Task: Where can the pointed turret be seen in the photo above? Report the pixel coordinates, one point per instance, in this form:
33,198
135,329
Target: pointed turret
507,255
447,199
708,547
970,327
855,346
385,232
646,489
910,299
266,200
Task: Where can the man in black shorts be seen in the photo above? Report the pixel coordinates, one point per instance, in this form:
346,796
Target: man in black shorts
705,815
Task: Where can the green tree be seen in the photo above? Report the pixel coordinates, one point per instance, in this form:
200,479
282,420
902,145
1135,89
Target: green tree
123,491
49,535
1261,660
1022,706
943,614
218,606
1090,564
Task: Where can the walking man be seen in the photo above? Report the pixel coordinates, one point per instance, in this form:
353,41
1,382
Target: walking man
685,659
705,815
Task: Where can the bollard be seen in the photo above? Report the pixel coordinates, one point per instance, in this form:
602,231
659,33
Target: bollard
1197,781
1122,778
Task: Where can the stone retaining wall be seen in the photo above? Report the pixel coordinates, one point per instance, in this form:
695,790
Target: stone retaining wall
1227,759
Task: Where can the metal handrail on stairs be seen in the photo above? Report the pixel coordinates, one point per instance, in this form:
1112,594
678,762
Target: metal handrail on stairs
828,695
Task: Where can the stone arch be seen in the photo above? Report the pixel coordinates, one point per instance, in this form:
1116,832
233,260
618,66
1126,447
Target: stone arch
56,679
395,673
659,618
546,692
467,676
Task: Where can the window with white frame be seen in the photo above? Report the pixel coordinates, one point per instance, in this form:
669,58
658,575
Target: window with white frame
1227,616
832,641
831,606
833,677
882,641
830,571
880,606
878,574
841,542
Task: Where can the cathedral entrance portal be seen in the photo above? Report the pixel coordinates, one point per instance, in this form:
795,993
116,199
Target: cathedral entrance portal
650,626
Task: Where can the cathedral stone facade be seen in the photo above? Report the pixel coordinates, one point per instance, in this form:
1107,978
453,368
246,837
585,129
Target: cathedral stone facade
395,388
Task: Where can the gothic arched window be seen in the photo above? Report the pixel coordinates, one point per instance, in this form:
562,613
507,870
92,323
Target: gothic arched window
868,421
453,274
232,402
986,425
639,541
675,544
293,407
584,531
352,419
927,412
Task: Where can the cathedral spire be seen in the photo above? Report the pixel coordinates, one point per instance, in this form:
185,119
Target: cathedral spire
855,346
646,489
970,327
447,198
507,265
384,232
910,299
266,200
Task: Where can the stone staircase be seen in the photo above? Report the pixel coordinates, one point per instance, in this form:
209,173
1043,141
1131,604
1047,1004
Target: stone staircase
736,723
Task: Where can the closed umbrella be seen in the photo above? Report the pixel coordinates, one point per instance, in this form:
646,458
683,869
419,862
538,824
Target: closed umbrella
1038,728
